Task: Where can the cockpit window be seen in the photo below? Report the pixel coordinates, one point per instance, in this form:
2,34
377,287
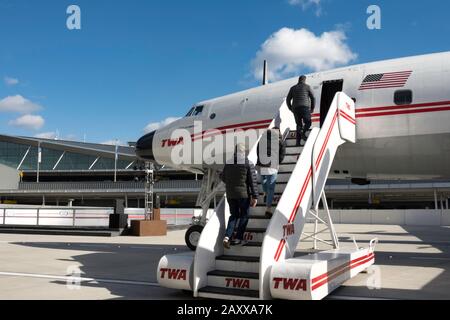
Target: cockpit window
198,111
195,111
190,112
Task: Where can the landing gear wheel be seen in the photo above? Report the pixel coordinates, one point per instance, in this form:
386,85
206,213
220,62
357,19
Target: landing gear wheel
193,236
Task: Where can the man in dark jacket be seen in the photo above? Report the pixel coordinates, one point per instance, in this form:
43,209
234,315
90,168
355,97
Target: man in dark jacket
301,102
242,192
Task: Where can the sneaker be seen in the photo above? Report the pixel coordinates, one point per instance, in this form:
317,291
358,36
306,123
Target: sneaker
226,243
269,214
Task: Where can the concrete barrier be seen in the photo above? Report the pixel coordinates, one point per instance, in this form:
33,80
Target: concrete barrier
388,217
47,216
423,217
355,217
445,218
392,217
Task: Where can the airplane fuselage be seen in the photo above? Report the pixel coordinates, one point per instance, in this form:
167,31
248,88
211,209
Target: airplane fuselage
402,112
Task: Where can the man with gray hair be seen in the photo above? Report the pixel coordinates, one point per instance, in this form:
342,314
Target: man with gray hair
242,193
301,102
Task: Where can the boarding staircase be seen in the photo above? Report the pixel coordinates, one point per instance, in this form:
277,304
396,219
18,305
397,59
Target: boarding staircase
237,270
265,267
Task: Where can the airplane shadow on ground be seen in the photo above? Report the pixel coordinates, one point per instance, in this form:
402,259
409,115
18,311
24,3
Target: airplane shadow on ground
136,264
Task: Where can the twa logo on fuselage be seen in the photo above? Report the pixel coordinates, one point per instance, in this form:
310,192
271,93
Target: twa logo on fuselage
290,284
238,283
167,143
173,274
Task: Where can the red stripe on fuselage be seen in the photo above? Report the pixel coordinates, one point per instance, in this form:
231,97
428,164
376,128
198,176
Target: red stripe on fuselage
396,110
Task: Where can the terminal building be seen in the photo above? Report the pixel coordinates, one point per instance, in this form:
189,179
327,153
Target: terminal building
59,173
68,173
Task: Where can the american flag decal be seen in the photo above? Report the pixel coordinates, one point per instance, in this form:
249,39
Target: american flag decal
385,80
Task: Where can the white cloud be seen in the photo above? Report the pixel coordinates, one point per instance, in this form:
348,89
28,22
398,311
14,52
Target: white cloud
290,51
306,4
28,121
157,125
47,135
11,81
18,104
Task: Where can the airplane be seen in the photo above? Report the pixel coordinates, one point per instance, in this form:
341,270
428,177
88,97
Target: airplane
399,119
402,114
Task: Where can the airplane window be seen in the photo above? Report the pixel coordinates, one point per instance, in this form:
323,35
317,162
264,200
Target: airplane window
403,97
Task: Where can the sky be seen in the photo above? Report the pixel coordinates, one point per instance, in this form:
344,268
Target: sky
137,64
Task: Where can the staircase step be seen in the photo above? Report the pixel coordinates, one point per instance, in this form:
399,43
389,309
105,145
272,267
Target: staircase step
293,150
236,281
254,244
234,274
258,216
227,293
238,264
238,258
291,158
260,222
259,212
243,251
287,167
256,230
291,143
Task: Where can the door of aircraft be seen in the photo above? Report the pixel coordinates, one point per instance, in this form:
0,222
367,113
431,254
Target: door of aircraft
329,90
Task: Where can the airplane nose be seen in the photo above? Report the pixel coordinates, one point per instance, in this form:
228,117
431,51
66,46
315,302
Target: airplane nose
144,147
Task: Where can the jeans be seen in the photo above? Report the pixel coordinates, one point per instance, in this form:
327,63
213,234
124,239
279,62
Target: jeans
303,119
269,183
239,209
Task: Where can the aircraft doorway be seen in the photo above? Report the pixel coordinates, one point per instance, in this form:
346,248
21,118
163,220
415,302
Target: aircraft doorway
329,90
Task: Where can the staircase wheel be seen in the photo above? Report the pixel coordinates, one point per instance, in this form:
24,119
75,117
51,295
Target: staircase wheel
193,236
